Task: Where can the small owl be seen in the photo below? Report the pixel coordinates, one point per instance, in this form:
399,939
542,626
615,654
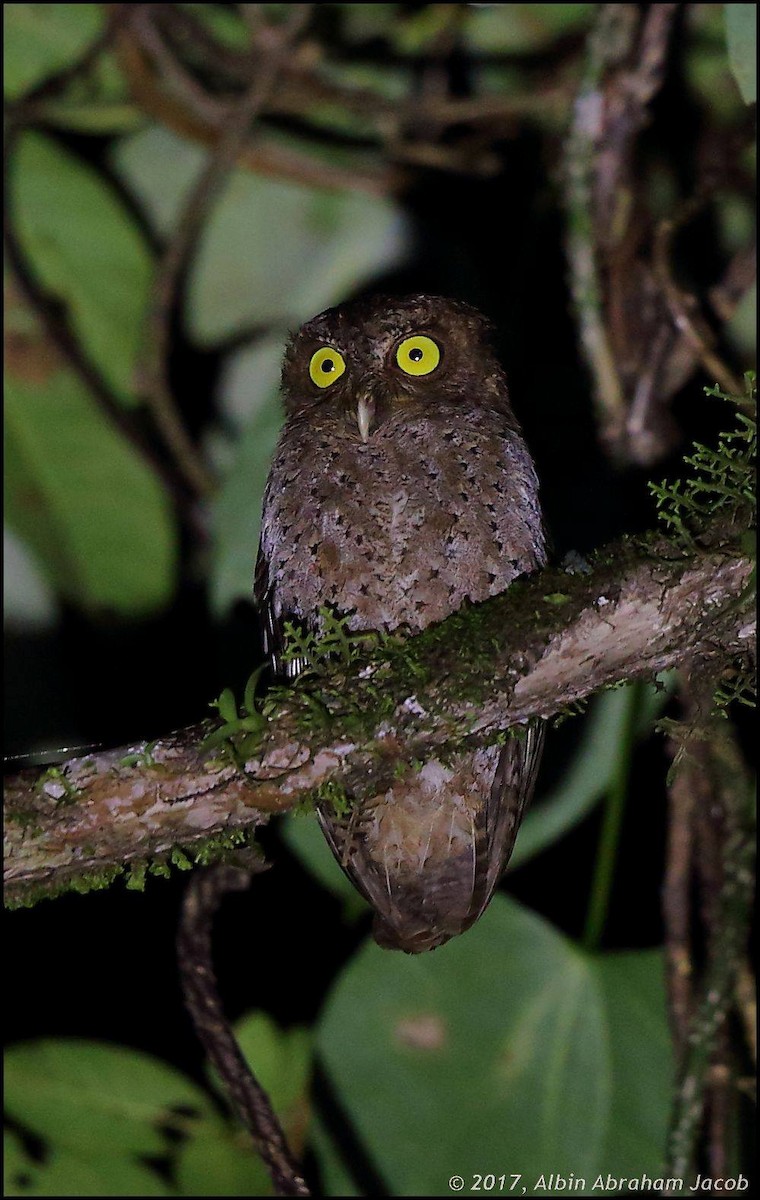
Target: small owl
401,487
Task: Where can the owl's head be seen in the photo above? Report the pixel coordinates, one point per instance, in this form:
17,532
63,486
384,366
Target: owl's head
374,358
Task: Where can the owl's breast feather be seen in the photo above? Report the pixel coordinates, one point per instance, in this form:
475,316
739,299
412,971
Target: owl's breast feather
401,529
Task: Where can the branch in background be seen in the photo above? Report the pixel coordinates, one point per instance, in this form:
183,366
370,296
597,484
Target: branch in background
204,893
164,44
746,1002
546,643
408,129
727,890
684,793
641,334
626,64
684,308
175,259
265,158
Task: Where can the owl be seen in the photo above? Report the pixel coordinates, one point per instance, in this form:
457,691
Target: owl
400,488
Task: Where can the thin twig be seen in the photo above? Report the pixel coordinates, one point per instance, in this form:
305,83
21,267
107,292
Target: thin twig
265,157
204,893
721,1095
209,108
676,904
173,264
302,87
683,307
738,277
746,1000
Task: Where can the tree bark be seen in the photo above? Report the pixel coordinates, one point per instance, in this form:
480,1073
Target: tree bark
549,641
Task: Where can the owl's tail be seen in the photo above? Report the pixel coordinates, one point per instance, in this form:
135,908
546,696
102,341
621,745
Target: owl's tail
389,938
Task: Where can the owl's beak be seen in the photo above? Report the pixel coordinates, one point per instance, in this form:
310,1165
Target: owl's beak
365,412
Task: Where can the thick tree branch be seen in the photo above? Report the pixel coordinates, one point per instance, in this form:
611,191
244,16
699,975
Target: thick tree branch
549,641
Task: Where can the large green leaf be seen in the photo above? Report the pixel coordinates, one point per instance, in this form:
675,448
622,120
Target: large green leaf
741,36
507,1050
87,251
632,984
41,39
272,251
92,512
95,1099
65,1174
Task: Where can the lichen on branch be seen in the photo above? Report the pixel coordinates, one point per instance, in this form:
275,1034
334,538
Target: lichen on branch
552,639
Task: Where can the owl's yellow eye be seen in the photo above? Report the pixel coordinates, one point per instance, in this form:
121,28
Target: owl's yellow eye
418,355
326,366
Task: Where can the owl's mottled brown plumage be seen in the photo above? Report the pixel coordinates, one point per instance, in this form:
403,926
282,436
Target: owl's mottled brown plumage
393,498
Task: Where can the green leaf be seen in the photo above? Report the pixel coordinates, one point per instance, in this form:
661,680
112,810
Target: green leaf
95,1099
42,39
272,251
66,1174
490,1050
91,511
507,1049
87,251
281,1061
633,986
97,101
523,28
221,1163
18,1167
741,38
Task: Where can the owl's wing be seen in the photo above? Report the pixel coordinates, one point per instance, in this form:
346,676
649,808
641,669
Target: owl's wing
442,899
444,896
273,622
511,792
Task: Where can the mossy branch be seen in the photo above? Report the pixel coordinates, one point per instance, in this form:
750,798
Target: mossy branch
644,606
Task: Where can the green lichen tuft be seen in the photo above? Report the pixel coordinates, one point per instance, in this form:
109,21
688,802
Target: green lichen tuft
140,758
136,875
54,785
221,846
333,793
574,709
721,482
85,881
738,685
